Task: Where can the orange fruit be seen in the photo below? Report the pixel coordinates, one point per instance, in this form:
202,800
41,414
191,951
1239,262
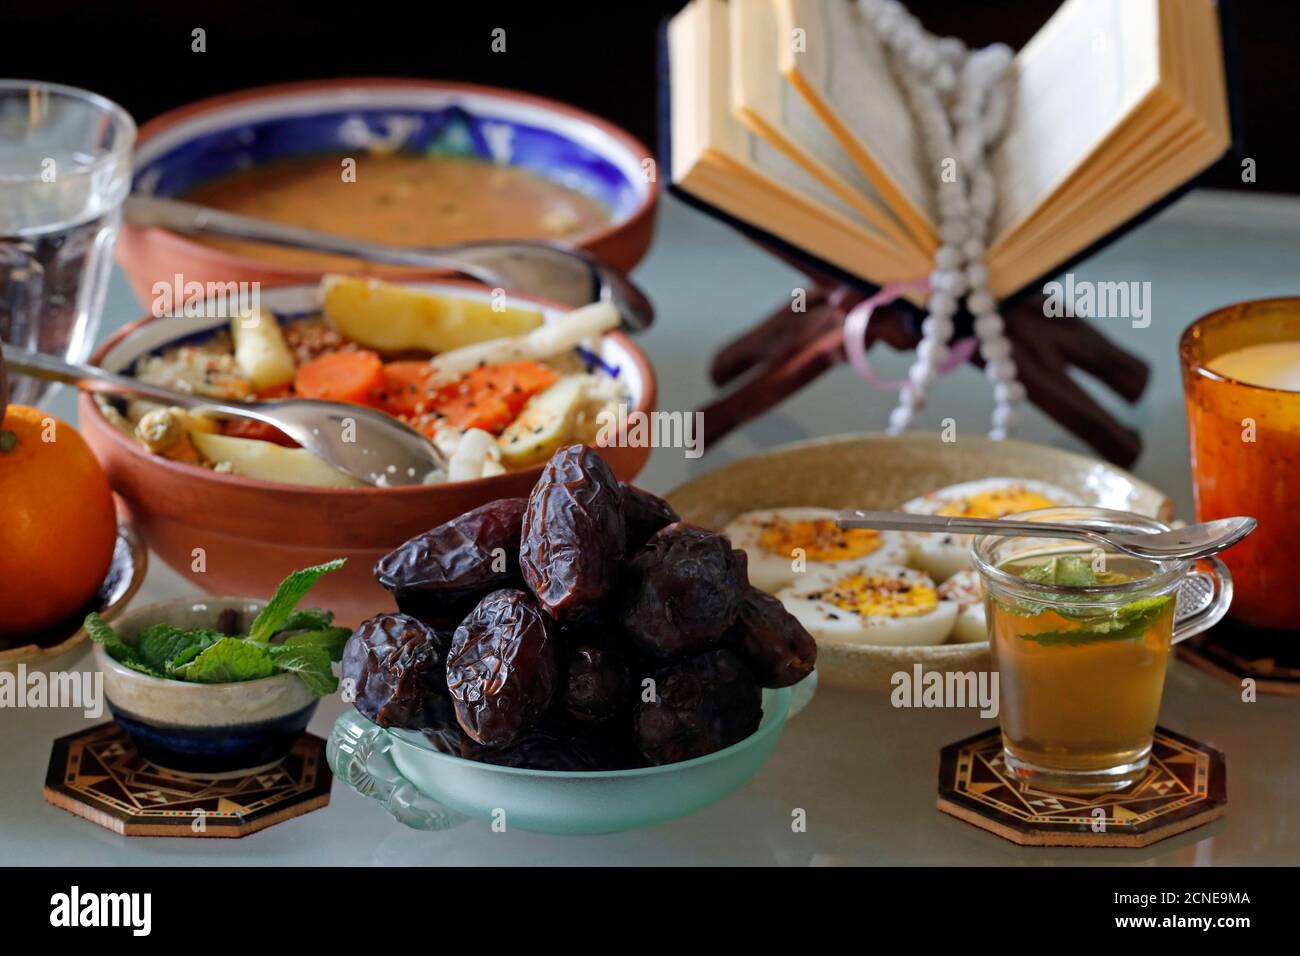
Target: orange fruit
57,523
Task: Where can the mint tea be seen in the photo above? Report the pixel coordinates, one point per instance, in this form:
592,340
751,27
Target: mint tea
1080,679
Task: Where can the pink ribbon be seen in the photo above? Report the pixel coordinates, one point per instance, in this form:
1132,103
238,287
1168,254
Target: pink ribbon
859,319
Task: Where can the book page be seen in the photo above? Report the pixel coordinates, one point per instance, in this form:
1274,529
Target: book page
764,101
1079,79
718,160
732,137
840,67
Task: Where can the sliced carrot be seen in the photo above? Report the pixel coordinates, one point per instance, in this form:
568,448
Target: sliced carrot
407,388
247,428
492,396
356,377
275,391
489,397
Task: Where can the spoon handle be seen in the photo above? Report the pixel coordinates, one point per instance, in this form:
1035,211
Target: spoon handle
946,524
91,378
188,217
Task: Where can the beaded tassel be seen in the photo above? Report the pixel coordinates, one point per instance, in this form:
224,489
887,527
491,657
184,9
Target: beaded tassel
961,99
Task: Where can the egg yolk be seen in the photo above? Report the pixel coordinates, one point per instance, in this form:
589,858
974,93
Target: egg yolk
881,596
820,540
997,503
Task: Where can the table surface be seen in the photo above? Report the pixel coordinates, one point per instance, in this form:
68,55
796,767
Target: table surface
864,773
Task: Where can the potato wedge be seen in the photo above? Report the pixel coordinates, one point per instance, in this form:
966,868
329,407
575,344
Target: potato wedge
270,462
544,424
260,350
394,318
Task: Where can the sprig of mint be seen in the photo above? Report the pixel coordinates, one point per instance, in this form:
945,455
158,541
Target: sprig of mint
281,640
1126,624
290,591
1066,570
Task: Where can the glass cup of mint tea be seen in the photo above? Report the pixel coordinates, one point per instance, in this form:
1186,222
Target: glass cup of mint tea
1080,636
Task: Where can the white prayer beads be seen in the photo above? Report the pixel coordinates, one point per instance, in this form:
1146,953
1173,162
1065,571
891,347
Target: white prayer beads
961,99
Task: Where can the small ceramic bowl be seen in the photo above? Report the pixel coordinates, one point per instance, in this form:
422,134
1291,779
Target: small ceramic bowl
125,575
187,146
204,730
428,790
234,535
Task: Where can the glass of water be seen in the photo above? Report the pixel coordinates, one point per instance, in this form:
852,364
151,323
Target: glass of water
65,169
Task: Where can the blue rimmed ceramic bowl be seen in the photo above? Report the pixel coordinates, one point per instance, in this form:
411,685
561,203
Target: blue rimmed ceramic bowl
205,730
428,790
195,143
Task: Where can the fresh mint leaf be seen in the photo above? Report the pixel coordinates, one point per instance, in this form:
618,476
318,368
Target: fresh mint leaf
183,658
291,590
307,619
141,666
229,659
101,633
330,639
1066,570
312,664
158,645
1126,624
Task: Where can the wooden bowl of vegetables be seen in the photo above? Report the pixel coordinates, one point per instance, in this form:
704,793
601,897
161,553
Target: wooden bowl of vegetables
235,509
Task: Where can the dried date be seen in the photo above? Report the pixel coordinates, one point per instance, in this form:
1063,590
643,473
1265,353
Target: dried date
439,575
777,648
597,683
573,534
503,669
644,514
396,668
698,706
685,592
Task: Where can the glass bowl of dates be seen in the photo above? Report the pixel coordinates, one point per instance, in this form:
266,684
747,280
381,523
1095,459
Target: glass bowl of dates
577,661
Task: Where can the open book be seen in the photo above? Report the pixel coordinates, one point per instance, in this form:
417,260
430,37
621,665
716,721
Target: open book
786,116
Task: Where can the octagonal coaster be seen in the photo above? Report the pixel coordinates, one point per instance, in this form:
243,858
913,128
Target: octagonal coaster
1234,652
1184,787
98,775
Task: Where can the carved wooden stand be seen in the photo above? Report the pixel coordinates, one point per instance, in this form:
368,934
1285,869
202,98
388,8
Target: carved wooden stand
786,350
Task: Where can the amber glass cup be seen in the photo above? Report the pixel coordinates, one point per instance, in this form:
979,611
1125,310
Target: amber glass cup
1245,443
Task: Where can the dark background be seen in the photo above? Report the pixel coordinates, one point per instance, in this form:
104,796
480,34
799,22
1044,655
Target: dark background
599,56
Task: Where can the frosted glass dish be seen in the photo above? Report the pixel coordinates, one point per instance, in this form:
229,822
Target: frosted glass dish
428,790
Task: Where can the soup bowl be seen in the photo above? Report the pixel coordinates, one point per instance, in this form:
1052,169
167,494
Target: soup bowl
210,138
231,534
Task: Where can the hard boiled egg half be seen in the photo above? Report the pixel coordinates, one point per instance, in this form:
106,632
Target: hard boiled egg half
943,555
786,544
964,589
868,603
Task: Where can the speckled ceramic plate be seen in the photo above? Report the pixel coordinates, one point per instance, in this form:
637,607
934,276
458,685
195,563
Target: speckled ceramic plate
880,472
125,575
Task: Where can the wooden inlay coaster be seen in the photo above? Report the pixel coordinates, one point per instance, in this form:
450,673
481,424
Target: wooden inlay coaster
1235,652
98,775
1184,787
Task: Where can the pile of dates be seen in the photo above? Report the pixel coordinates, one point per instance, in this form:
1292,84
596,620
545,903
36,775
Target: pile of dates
582,628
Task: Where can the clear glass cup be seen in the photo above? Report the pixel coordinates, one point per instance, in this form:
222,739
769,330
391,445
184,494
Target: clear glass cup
1245,447
1081,666
65,169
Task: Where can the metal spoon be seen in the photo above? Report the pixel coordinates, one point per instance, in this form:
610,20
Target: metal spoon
544,269
361,442
1180,544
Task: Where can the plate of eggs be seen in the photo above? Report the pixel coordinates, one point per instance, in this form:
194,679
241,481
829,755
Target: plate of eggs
880,601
